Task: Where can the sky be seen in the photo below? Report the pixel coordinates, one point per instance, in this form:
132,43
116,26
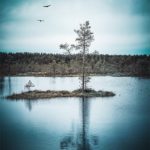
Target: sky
119,26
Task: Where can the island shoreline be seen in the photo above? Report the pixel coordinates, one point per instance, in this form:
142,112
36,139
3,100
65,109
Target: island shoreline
36,94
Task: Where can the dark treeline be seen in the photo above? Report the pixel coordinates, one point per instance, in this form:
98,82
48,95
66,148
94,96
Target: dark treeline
59,64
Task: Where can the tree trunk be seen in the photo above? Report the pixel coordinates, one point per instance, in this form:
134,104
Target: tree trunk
83,70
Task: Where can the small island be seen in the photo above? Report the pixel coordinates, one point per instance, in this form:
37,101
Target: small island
37,94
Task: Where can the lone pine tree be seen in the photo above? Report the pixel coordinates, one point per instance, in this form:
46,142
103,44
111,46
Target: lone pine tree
83,42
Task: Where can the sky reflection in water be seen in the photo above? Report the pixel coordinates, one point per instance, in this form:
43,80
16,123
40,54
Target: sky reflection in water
121,122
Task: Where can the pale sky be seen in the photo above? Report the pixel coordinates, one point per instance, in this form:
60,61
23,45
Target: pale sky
119,26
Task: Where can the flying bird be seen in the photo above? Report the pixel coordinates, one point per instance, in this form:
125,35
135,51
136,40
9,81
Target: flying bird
47,6
40,20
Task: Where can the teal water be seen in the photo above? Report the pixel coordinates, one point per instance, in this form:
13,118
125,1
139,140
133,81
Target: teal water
118,123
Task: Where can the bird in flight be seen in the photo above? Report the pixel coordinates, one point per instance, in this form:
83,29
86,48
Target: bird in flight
47,6
40,20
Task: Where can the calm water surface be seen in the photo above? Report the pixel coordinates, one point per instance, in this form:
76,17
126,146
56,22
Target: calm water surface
118,123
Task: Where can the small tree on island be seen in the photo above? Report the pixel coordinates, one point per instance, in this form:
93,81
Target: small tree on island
84,40
29,85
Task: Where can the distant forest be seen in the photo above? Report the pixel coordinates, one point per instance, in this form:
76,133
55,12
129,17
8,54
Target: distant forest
40,64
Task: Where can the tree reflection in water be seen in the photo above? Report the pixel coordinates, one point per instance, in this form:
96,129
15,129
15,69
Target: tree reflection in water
28,104
9,86
1,85
82,140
